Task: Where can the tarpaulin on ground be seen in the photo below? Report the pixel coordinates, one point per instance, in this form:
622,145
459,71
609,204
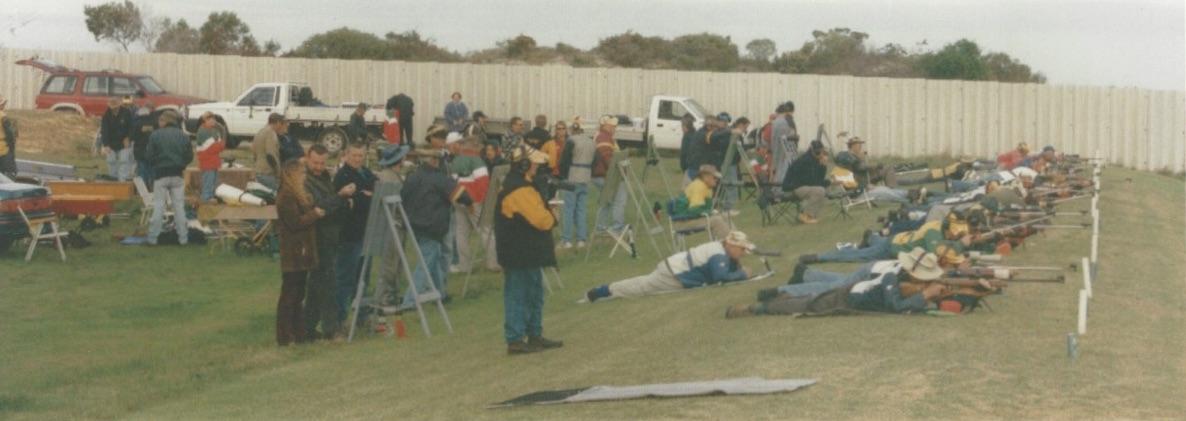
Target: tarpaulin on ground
739,386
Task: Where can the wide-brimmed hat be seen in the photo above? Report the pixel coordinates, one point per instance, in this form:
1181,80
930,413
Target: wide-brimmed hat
709,169
435,130
921,265
739,239
393,154
529,153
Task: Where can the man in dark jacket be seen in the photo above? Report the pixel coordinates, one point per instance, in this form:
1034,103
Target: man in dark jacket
142,126
357,129
403,104
523,230
428,196
169,152
321,304
8,134
116,132
354,221
807,179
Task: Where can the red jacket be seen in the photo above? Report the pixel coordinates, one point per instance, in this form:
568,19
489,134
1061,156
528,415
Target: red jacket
208,159
391,130
1010,160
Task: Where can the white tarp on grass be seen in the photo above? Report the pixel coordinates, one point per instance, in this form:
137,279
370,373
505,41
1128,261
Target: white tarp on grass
740,386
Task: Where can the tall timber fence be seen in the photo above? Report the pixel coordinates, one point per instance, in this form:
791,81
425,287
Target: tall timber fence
1137,128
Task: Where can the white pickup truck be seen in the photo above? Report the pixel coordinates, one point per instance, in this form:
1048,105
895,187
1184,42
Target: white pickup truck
308,118
662,123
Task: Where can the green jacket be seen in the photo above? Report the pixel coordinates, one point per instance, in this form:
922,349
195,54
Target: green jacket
169,152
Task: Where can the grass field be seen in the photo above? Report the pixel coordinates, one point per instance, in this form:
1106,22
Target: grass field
183,333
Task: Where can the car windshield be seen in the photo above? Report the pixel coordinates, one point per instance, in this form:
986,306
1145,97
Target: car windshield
150,86
696,108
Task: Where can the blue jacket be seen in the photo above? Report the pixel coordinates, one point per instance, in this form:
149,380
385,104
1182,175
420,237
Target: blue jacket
705,264
883,294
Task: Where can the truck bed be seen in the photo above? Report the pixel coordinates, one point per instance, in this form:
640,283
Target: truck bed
339,115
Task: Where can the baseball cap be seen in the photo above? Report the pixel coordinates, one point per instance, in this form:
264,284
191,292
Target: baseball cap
453,137
725,117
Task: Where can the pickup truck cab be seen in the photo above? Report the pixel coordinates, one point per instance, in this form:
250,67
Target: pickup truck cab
86,92
309,118
661,125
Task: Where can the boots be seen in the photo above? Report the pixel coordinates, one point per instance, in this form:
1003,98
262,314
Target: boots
543,343
797,277
520,347
807,259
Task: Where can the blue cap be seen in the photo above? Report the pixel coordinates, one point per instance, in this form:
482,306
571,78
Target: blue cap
725,117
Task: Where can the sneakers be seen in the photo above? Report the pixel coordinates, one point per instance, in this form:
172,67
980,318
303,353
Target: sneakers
581,244
517,348
807,219
564,246
739,310
543,343
767,294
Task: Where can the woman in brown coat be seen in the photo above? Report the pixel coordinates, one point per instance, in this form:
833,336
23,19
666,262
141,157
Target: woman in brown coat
298,250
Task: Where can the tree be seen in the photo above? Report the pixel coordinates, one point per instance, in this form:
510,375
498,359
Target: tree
704,51
520,47
224,33
176,37
344,43
1008,69
958,60
411,46
633,50
115,22
761,49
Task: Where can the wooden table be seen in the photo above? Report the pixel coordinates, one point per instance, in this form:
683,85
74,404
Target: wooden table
118,191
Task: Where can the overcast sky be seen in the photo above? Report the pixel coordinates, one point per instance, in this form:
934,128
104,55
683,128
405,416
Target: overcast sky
1138,43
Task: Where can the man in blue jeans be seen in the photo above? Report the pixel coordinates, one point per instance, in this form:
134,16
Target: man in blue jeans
354,220
428,196
576,165
169,152
523,229
605,148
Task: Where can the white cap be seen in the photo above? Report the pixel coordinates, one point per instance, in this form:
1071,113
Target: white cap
453,137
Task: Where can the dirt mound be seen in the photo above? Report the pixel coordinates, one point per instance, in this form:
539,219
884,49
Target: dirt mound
49,132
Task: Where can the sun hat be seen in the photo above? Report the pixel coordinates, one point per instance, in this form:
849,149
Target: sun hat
393,154
921,265
739,239
709,169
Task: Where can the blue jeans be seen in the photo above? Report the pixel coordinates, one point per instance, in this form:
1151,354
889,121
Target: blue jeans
119,164
346,269
616,208
732,188
437,260
209,182
145,172
879,248
523,304
886,194
165,189
816,282
575,218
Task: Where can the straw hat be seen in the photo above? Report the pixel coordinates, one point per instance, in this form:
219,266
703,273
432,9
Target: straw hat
921,265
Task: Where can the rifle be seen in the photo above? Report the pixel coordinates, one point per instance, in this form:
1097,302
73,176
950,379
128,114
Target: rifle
1002,231
1002,274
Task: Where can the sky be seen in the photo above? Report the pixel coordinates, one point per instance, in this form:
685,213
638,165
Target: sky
1139,43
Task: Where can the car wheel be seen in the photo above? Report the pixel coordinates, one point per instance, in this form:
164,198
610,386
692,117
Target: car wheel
333,139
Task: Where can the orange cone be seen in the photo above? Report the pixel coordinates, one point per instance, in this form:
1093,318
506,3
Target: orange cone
401,331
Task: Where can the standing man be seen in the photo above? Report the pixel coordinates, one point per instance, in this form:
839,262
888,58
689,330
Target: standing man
382,242
784,140
354,221
732,182
403,105
357,129
266,148
169,152
455,113
142,126
807,179
470,172
576,165
540,131
428,194
290,148
477,127
210,145
606,146
688,124
8,131
321,305
117,141
523,229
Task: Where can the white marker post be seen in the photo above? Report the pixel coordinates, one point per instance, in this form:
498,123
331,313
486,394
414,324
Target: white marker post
1082,312
1095,238
1087,279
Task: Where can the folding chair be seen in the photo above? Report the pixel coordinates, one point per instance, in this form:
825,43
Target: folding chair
679,236
146,200
37,232
776,205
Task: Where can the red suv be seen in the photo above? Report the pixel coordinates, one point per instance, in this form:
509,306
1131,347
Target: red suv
87,92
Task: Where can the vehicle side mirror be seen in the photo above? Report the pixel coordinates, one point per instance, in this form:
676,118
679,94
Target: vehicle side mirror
140,93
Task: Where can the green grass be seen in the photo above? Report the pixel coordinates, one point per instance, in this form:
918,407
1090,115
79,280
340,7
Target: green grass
172,333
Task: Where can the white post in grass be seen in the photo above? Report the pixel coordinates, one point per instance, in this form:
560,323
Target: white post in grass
1082,312
1087,279
1095,237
